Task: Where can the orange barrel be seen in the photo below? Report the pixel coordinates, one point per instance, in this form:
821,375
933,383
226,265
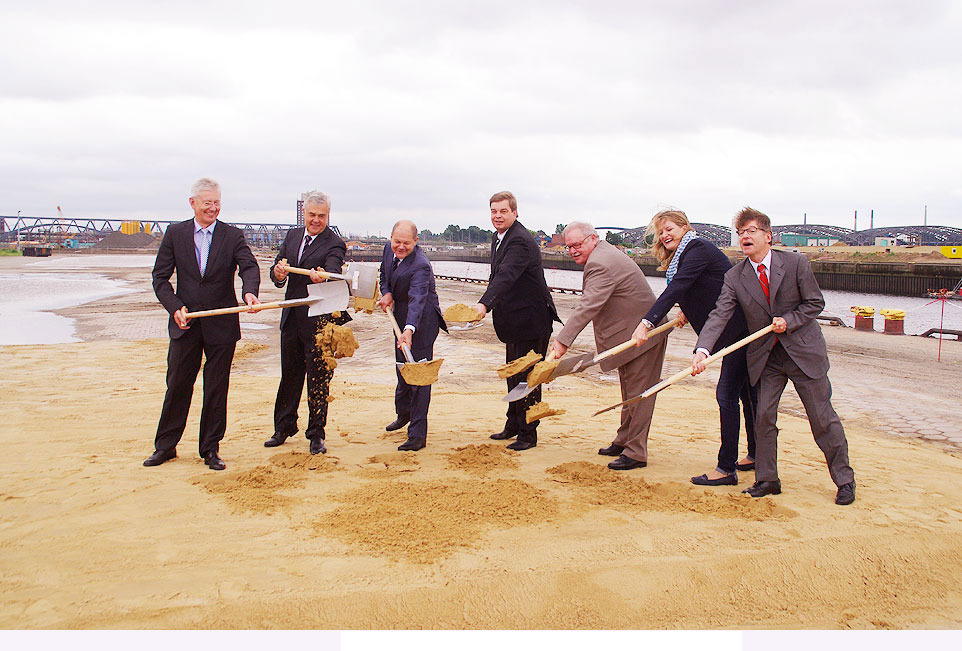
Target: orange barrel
864,317
894,321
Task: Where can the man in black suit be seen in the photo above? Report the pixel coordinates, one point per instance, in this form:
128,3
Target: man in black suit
205,254
312,246
407,287
521,307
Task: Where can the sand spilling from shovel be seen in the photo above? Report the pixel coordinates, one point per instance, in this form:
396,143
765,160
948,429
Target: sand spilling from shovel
364,304
335,341
519,365
541,372
461,313
421,374
540,410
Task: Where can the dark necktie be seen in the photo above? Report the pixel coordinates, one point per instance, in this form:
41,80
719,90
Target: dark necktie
307,243
394,264
763,281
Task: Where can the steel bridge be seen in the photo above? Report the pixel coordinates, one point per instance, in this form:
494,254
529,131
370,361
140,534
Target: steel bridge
59,228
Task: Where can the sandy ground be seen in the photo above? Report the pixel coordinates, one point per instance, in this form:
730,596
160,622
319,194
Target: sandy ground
462,534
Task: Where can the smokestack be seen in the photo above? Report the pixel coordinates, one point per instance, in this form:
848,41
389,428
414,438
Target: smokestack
871,219
804,218
856,221
925,218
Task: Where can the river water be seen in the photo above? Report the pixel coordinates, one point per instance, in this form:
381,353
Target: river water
30,293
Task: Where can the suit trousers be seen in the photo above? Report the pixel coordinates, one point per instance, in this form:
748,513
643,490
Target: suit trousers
734,384
183,363
301,357
636,376
515,422
411,401
816,396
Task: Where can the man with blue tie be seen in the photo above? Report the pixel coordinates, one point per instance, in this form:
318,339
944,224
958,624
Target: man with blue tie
407,287
205,254
778,288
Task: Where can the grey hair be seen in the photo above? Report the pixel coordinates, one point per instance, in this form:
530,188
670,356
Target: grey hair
203,185
316,197
586,229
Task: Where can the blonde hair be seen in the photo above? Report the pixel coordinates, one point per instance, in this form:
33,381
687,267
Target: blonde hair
678,217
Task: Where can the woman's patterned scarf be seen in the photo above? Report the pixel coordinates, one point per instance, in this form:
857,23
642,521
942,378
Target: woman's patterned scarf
673,265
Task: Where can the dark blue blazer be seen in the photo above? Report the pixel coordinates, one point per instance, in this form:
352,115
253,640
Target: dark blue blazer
415,296
229,252
695,288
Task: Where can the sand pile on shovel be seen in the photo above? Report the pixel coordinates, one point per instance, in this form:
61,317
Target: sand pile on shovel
461,313
540,410
421,374
519,365
335,342
541,372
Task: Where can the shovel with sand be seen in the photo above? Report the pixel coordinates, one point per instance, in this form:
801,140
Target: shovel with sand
419,374
548,371
322,299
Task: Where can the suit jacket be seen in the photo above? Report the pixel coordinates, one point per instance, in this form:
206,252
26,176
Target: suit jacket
228,253
415,297
615,296
517,294
795,297
695,288
326,251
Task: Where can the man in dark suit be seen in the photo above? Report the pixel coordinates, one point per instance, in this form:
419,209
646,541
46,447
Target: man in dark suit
407,288
205,254
312,246
779,288
521,307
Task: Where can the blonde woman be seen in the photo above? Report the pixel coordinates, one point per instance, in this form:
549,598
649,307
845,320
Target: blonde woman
695,270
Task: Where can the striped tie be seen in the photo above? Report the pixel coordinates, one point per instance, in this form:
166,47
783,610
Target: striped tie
763,281
204,251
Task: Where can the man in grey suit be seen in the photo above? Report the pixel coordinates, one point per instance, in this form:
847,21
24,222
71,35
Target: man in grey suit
779,288
614,299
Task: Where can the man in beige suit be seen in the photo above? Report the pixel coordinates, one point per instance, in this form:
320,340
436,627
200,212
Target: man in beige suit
615,298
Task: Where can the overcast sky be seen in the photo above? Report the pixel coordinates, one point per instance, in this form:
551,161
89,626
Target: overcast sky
601,111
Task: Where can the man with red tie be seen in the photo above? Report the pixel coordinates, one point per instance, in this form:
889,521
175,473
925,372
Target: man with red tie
778,287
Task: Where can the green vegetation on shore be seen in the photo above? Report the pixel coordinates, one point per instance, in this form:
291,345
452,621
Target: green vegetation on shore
9,252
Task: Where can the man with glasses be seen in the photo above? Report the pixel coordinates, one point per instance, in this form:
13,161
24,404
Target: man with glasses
205,253
779,288
521,307
615,297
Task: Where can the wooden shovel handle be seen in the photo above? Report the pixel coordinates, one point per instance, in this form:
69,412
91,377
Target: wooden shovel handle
397,331
326,274
620,348
254,308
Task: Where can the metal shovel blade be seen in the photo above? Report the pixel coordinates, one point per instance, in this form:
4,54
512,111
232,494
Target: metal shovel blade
363,279
565,366
328,297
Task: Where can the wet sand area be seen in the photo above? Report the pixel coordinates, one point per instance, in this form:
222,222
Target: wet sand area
463,534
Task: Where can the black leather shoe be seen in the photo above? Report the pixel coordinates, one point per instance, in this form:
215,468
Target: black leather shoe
412,445
626,463
317,446
398,423
214,462
727,480
520,445
846,493
611,451
763,488
745,466
503,436
160,456
277,439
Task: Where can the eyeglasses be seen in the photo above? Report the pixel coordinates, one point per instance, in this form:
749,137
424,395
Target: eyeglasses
574,247
751,230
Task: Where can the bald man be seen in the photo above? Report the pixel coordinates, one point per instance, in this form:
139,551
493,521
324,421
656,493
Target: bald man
407,287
